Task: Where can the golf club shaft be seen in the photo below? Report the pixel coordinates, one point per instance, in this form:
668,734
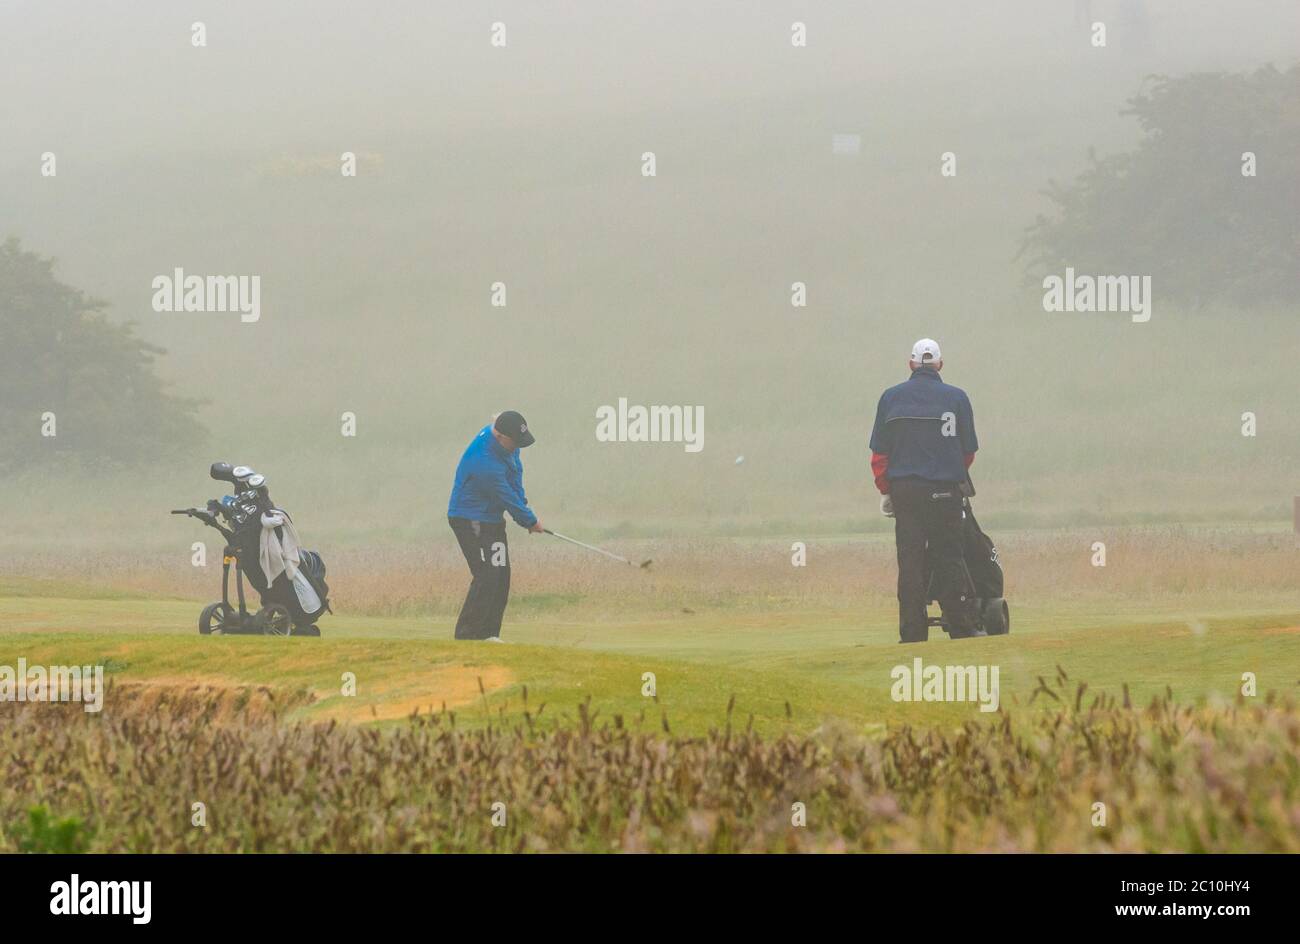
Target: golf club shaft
588,547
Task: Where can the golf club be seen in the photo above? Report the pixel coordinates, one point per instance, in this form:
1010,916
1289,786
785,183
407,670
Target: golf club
644,563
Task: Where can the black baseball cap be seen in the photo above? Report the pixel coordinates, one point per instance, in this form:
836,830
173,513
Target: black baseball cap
513,424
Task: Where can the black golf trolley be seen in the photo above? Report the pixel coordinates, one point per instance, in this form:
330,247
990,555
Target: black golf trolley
983,574
288,608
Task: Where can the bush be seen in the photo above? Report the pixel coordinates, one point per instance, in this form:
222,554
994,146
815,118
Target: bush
1179,208
60,354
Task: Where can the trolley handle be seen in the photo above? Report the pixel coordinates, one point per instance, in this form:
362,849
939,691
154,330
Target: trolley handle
207,518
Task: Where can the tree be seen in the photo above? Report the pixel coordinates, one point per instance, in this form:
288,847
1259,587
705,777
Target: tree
59,354
1179,208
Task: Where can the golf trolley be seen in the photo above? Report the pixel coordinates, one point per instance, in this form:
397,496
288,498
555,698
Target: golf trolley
290,605
982,572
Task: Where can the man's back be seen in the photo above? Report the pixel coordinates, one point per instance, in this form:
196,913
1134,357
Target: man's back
926,428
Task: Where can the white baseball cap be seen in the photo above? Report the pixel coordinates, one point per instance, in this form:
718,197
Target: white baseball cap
925,351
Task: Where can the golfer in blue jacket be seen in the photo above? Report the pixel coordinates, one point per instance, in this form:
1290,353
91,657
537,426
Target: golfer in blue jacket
489,482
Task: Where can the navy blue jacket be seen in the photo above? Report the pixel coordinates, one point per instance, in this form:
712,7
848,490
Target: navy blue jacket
909,433
489,482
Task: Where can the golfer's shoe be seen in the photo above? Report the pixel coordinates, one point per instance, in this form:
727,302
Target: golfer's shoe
499,639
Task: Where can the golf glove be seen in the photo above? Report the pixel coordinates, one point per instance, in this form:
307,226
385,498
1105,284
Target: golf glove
886,506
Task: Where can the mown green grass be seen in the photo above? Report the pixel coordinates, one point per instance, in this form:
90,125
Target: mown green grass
829,666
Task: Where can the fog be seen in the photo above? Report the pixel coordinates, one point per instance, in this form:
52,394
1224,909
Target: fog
523,165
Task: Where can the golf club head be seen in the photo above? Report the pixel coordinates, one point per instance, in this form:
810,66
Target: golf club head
242,473
222,472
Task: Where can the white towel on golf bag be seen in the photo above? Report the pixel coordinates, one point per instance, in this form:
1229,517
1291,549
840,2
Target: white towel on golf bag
280,554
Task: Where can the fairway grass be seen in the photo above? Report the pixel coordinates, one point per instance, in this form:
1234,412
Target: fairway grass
787,671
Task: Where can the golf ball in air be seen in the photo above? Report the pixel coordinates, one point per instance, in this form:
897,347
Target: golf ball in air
739,459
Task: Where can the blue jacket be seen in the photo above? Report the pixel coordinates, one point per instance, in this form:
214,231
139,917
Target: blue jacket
490,481
910,430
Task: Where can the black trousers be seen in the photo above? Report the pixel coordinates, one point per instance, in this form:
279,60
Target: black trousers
927,519
487,552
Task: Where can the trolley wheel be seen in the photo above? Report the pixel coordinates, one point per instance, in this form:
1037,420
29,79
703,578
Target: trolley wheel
274,620
309,630
216,618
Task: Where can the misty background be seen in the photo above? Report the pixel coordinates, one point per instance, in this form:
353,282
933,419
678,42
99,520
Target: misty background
522,165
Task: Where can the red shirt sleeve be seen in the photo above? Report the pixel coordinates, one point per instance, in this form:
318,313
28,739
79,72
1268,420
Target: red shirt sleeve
879,466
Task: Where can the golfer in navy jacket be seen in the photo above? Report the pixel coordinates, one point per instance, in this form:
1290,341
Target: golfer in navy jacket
489,483
922,444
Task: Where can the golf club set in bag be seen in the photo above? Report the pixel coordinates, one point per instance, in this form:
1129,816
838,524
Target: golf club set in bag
260,535
982,573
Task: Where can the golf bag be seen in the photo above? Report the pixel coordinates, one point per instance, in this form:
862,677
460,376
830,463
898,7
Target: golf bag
305,596
983,574
981,557
291,603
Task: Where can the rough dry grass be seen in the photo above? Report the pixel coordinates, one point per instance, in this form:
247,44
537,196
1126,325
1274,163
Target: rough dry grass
1171,777
549,578
214,701
248,726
